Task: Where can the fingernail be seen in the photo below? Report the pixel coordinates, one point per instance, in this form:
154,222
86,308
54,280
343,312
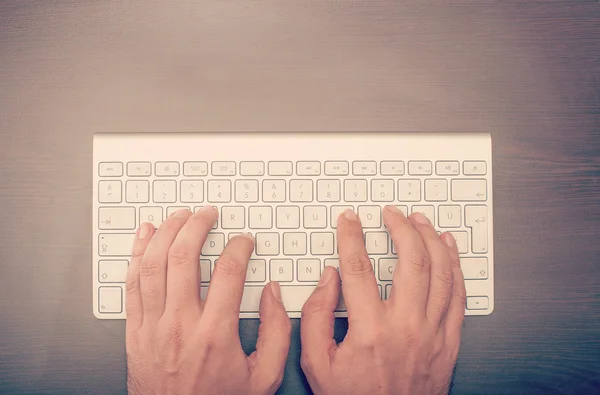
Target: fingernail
181,213
325,278
350,215
207,209
420,218
395,210
143,231
276,290
248,235
449,239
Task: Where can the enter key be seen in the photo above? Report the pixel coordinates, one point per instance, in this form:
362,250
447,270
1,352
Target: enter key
476,218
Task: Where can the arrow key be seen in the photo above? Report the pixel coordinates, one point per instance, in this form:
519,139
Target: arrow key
112,271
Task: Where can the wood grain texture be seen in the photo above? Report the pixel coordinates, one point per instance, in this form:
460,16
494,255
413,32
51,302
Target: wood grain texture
529,73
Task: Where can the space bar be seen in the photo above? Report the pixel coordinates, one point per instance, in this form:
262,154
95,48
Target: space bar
293,297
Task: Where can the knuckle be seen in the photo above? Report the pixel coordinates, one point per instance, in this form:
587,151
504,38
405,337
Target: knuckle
446,277
132,284
461,294
419,260
229,266
151,267
179,255
358,264
175,334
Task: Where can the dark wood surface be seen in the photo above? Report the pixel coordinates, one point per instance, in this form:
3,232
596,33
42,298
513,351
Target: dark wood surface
529,73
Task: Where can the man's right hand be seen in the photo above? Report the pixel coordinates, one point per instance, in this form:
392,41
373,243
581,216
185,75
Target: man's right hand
407,344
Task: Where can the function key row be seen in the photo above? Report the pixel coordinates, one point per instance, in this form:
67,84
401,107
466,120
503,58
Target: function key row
286,168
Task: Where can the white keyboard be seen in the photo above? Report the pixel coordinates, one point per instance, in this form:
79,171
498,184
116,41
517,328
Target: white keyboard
288,189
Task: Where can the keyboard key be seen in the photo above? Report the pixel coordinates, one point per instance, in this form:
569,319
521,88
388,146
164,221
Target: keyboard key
195,169
137,191
164,191
274,191
321,243
234,234
281,168
376,243
110,169
112,271
173,209
355,190
166,169
288,217
469,190
281,270
382,190
364,168
336,211
436,190
419,168
214,245
154,215
476,219
115,244
109,191
110,300
192,191
449,216
477,303
246,191
233,217
301,191
116,218
252,169
292,296
386,268
309,270
462,241
315,217
428,211
388,291
219,191
308,168
267,244
447,168
474,268
256,271
260,217
294,243
223,168
139,169
392,168
409,190
370,216
336,168
474,168
205,272
328,190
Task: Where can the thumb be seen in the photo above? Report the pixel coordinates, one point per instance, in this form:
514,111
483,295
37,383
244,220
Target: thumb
273,342
316,326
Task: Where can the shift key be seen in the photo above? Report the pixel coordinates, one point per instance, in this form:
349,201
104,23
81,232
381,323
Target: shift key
115,244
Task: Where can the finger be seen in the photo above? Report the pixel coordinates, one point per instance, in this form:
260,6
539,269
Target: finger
359,286
153,272
441,277
183,277
411,276
273,342
316,325
227,282
133,303
456,311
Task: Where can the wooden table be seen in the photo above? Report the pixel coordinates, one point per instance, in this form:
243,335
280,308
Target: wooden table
527,73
